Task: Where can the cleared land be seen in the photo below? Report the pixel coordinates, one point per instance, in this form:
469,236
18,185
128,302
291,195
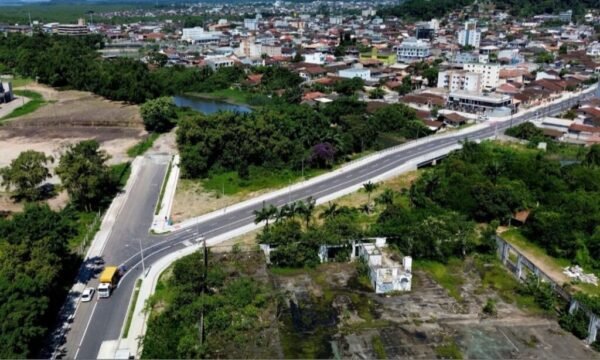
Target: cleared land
67,118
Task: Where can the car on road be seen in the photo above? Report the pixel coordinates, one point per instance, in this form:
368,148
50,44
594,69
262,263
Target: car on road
87,294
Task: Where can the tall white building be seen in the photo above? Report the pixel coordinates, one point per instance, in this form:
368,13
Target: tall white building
490,74
455,80
413,49
251,24
469,35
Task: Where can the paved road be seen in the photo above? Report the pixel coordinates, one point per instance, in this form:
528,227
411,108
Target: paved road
135,218
105,317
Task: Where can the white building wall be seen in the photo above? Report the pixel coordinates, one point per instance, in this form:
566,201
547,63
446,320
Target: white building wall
490,74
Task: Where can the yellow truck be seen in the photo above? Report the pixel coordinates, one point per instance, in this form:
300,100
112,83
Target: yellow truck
108,280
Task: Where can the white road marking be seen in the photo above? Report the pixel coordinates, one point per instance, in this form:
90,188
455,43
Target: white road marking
86,329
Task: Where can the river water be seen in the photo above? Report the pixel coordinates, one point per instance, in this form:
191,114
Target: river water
208,106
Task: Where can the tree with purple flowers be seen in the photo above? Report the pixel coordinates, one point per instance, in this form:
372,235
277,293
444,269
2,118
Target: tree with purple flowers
322,154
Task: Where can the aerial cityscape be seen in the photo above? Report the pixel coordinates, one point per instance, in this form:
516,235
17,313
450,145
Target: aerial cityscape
300,179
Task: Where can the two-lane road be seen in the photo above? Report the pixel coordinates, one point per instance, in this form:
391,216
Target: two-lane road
108,315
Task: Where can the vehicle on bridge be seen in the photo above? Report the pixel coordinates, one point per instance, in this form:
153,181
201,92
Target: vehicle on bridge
108,281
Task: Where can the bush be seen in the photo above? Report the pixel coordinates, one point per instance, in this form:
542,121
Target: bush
490,307
576,323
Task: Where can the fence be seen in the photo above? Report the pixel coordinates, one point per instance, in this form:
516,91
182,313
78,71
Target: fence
519,265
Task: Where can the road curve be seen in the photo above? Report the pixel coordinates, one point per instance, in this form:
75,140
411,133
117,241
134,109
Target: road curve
106,319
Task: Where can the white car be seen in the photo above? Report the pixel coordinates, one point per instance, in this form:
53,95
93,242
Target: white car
87,295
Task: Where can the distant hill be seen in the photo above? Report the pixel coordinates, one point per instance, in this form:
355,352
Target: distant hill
427,9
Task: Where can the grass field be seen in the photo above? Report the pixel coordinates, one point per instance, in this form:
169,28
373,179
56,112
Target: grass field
233,96
449,275
35,102
229,183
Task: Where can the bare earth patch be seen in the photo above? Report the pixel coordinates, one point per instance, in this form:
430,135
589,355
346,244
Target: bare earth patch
192,200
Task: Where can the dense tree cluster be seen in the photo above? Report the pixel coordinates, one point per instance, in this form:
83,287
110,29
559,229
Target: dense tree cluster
227,298
36,270
287,136
74,62
487,182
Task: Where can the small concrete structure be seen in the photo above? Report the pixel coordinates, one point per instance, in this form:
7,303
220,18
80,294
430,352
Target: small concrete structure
386,274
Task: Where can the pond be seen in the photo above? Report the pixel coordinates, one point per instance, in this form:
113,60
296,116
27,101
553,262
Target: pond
208,106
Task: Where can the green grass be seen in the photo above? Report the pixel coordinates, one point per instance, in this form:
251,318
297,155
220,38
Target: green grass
233,96
230,183
163,188
120,173
35,102
131,310
141,147
449,275
378,347
516,238
495,276
20,81
448,351
85,226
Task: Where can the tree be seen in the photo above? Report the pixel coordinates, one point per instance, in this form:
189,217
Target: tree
85,175
376,93
349,86
306,209
544,58
159,114
265,214
386,197
369,188
26,173
592,158
330,211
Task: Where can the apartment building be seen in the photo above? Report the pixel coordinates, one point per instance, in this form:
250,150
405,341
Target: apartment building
454,80
413,49
469,36
490,74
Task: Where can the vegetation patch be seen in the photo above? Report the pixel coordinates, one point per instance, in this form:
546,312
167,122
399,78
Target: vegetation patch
36,100
449,276
163,188
131,310
143,146
378,347
449,350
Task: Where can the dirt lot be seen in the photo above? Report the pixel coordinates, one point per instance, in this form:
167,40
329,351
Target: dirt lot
71,116
330,315
78,108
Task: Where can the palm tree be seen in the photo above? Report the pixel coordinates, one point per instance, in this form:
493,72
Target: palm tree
306,209
330,212
266,213
386,198
369,188
283,213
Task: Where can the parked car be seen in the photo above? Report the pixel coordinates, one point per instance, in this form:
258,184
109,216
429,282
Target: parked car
87,294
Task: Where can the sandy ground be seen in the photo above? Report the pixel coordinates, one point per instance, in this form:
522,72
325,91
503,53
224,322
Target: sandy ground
70,117
78,108
192,200
166,143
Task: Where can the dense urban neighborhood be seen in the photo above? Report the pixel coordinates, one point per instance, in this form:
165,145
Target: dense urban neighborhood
300,179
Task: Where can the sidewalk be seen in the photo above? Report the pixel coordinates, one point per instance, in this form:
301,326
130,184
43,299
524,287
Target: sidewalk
160,223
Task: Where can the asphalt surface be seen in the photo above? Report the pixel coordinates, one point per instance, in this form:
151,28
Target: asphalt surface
103,319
